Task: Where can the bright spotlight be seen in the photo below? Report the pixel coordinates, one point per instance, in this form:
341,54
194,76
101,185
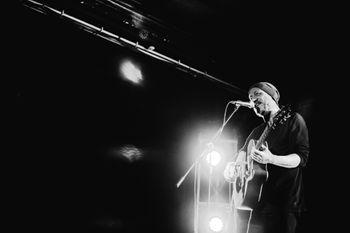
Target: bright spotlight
213,158
131,72
216,224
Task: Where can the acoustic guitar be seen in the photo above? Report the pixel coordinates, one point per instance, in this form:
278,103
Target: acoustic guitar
249,175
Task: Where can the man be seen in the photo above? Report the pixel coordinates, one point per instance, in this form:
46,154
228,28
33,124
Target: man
279,147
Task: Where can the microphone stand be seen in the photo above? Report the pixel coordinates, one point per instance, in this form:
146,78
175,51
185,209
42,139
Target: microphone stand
195,165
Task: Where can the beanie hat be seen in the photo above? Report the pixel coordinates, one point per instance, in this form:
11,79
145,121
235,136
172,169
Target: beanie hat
268,88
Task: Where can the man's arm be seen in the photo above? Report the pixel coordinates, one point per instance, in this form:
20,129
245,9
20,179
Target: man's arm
287,161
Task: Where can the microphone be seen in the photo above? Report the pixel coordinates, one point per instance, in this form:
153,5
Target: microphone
244,104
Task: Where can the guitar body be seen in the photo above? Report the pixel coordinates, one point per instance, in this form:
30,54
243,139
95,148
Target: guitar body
257,180
248,184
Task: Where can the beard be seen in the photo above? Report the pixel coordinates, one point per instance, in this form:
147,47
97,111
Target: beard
261,112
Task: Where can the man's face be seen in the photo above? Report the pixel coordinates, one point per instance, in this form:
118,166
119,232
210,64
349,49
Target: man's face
261,100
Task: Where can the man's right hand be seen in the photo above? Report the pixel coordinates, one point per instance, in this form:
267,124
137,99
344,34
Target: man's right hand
230,172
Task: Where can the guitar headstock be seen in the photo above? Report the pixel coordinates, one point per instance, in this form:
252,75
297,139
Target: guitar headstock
283,114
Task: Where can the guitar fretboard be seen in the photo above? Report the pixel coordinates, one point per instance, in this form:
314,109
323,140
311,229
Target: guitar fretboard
269,126
263,136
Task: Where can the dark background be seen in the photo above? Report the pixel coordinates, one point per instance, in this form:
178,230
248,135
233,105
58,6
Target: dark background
73,111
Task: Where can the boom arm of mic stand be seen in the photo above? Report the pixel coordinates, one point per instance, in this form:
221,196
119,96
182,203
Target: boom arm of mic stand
205,150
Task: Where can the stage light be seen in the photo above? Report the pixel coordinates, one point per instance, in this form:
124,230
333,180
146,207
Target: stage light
216,224
213,158
131,72
127,152
130,152
215,217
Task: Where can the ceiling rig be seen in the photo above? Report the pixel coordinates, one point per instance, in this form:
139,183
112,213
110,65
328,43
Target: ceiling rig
135,43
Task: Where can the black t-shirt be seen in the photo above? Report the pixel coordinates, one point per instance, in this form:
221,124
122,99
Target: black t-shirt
283,189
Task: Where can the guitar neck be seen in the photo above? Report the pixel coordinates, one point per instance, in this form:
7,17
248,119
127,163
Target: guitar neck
281,115
263,136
